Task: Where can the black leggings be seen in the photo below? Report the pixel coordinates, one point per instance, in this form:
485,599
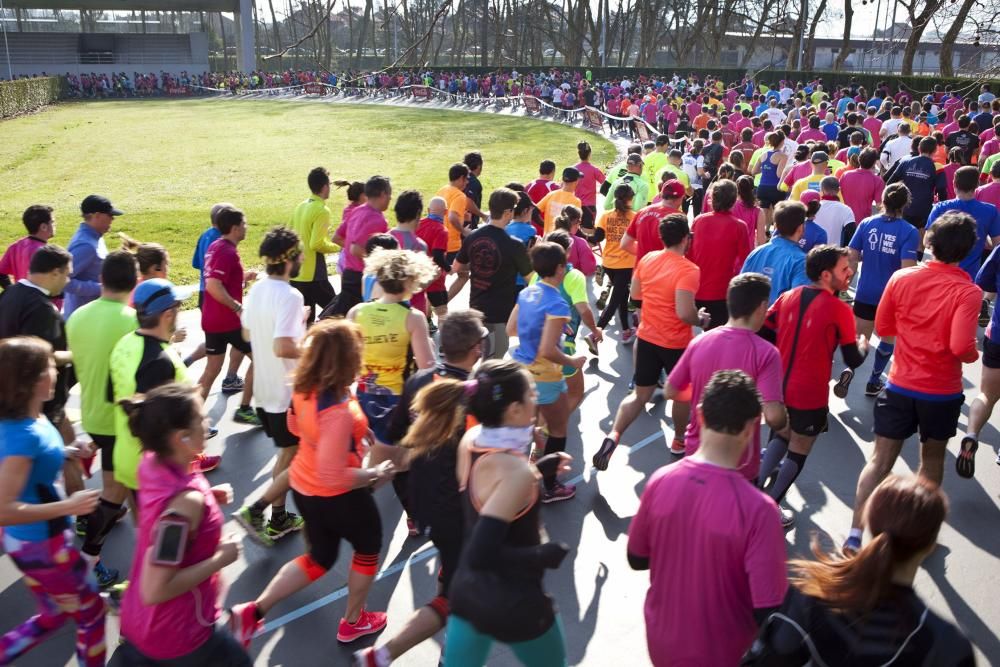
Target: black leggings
351,516
221,650
621,282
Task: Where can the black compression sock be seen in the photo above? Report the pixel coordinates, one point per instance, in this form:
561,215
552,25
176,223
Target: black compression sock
788,472
259,506
553,444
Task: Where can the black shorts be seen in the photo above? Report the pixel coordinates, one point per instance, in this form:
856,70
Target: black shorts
769,195
898,416
316,293
275,425
864,311
991,353
717,310
589,217
438,299
351,516
651,360
808,422
918,221
215,343
350,295
106,444
449,257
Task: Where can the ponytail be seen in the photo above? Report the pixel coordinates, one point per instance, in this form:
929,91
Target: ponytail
154,417
623,194
440,410
354,189
569,215
812,208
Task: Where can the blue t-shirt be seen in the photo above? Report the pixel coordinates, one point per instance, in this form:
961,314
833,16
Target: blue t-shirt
207,238
812,235
842,106
38,440
780,260
536,304
922,177
988,279
987,226
831,130
523,232
883,243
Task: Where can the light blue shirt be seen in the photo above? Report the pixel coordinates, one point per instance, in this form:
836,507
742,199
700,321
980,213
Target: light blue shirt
782,261
88,250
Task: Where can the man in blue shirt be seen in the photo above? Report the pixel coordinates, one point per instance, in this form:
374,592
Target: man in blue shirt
88,250
782,260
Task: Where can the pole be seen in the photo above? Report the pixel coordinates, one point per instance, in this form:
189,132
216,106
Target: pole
3,28
892,38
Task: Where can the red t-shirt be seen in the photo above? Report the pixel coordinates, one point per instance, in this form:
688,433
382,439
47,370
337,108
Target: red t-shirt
433,233
645,229
811,324
719,247
538,188
222,262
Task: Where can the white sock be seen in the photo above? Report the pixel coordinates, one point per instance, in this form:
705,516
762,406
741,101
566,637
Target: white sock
382,657
857,532
972,434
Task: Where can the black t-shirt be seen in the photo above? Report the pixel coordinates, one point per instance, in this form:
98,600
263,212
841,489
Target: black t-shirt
844,138
474,191
26,311
965,140
712,155
589,97
495,259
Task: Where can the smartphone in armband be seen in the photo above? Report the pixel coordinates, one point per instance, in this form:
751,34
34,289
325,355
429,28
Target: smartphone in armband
171,538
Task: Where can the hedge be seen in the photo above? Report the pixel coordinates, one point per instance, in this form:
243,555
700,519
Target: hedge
24,95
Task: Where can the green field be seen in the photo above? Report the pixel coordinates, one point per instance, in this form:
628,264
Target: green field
166,162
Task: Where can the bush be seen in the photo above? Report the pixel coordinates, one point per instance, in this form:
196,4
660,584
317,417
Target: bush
24,95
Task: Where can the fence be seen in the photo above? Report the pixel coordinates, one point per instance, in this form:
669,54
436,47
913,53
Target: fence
25,95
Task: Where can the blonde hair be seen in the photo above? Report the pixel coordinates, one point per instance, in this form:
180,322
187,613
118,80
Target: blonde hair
394,269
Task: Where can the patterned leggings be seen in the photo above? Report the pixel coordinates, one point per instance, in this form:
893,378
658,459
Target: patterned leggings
58,577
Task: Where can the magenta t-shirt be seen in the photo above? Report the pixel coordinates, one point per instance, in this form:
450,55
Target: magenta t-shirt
989,193
222,262
728,348
723,536
749,215
860,188
366,221
586,188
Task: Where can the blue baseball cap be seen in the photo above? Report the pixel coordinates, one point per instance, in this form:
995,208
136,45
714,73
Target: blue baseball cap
155,296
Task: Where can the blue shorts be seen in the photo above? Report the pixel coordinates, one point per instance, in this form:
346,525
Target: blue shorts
548,392
378,409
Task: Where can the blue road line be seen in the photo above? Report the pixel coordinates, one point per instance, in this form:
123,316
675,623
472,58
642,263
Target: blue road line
418,557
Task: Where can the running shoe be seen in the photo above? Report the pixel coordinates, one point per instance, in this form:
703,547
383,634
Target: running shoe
965,464
411,528
591,344
677,448
246,416
232,385
288,523
631,384
106,576
368,623
787,518
207,463
628,336
603,455
602,301
843,384
851,547
212,432
253,522
633,318
984,313
366,657
874,388
81,526
244,623
558,492
599,275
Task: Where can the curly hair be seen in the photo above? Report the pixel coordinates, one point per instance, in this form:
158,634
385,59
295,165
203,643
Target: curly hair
395,270
331,357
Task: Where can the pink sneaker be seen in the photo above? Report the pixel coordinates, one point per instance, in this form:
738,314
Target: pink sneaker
206,463
628,336
368,623
244,623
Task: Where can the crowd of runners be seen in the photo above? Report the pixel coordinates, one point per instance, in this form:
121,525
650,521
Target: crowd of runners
764,229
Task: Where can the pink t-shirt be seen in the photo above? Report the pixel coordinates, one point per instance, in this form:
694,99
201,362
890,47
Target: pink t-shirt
586,188
342,230
749,215
724,537
721,348
581,256
366,221
800,170
873,125
860,189
810,134
17,258
222,262
989,193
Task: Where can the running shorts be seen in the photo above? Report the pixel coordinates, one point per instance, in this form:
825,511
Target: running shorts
549,392
378,409
316,293
769,195
106,445
351,516
898,416
438,299
808,422
864,311
215,343
651,360
991,353
717,310
275,425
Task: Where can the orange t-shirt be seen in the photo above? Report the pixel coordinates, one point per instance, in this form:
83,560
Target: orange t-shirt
552,205
457,202
331,443
615,225
660,275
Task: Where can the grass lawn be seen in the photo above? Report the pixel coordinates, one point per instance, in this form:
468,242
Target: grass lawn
166,162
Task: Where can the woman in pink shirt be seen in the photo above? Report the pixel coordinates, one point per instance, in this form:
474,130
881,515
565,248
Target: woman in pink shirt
586,188
580,254
861,187
355,198
746,209
170,610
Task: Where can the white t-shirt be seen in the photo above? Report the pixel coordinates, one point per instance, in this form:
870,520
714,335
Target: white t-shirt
775,115
895,150
890,126
272,309
833,216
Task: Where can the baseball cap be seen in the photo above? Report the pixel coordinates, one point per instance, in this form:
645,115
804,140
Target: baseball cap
808,196
155,296
820,156
98,204
634,159
672,189
571,174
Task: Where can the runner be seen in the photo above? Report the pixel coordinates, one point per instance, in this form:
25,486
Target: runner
40,224
552,204
591,178
922,178
632,178
884,243
617,263
863,610
834,216
432,232
931,309
665,283
88,250
982,406
539,320
331,487
408,209
808,324
457,203
433,490
36,520
643,234
700,512
311,222
273,324
169,611
781,259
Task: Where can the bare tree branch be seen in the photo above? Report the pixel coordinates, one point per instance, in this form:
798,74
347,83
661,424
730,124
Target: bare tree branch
319,24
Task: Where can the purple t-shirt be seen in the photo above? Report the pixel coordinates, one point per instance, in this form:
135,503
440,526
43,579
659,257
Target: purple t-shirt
727,537
222,262
365,222
728,348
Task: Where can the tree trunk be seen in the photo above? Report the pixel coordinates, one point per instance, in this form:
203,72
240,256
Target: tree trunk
947,65
809,55
918,23
845,43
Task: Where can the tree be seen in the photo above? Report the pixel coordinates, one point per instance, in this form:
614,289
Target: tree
920,13
845,44
948,41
